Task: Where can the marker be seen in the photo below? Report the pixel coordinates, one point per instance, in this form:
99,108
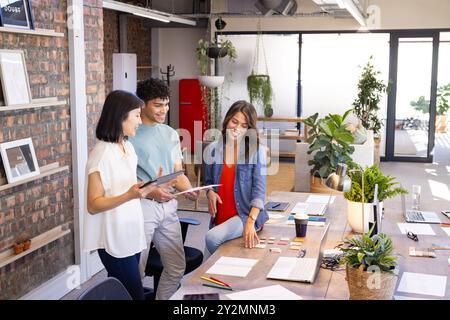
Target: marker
216,286
223,283
277,205
213,281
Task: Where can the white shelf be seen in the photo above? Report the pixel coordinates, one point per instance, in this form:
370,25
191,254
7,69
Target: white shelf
38,32
36,103
45,172
37,242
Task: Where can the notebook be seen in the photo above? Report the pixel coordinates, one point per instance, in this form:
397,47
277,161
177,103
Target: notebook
277,206
299,269
311,209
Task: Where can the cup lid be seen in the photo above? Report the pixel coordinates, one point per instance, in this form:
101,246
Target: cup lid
301,216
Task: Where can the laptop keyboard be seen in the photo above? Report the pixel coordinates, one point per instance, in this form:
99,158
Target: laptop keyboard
415,215
304,268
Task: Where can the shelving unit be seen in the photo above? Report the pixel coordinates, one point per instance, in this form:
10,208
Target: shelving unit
36,103
45,172
38,32
37,242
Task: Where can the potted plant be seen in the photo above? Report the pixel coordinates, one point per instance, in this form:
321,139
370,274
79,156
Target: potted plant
260,91
330,141
370,267
366,105
442,107
387,188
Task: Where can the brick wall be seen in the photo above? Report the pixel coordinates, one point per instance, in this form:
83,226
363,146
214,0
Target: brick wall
139,42
33,208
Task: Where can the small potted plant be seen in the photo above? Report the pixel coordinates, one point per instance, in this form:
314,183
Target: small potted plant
387,188
329,140
370,267
18,247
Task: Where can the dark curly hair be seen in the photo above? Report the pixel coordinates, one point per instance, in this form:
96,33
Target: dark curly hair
152,88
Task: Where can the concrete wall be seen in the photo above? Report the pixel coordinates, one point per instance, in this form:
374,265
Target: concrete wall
176,47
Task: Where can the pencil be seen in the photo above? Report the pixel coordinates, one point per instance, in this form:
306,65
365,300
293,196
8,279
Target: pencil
220,281
212,280
216,286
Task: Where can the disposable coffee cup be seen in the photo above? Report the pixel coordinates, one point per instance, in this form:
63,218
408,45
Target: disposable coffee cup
301,224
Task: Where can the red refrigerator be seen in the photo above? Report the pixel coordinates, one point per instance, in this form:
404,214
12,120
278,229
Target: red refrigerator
193,113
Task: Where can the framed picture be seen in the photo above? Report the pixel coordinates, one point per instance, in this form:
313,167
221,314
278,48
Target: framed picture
19,159
14,77
16,14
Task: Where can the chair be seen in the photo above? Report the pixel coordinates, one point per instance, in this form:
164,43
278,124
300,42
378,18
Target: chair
193,256
108,289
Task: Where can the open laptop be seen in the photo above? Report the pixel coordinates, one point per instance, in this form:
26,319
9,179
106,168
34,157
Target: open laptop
299,269
417,216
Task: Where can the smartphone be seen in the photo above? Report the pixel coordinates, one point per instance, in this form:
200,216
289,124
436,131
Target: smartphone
201,296
446,213
163,179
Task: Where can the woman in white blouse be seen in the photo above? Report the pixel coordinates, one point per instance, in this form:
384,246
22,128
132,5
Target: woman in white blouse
115,225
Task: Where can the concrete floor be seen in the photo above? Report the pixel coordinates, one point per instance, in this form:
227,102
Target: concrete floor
433,177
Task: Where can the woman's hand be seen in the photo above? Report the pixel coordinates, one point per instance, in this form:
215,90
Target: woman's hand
213,198
250,237
135,192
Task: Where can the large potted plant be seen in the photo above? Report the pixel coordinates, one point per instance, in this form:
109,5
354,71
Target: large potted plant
442,107
371,272
329,140
387,188
366,105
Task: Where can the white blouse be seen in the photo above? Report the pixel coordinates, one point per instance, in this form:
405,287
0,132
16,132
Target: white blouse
120,231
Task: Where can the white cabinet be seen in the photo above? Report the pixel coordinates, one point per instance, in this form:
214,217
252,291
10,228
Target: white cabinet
124,71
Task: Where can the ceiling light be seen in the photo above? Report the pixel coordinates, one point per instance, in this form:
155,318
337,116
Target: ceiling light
146,12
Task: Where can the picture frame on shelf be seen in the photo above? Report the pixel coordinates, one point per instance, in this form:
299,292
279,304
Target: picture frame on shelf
14,77
16,14
19,159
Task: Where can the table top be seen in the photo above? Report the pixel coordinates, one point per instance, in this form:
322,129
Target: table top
328,284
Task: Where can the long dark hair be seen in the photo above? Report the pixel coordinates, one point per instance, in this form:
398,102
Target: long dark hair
249,111
115,111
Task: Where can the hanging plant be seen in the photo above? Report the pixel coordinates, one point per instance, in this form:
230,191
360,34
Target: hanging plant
259,86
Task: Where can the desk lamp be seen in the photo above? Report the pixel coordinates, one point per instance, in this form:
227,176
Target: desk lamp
340,181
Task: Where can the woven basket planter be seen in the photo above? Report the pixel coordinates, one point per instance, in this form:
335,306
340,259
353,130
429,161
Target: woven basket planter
358,280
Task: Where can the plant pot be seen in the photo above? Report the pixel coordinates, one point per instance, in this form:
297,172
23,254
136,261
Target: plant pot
354,215
268,112
211,81
441,124
26,244
318,186
18,248
363,285
217,52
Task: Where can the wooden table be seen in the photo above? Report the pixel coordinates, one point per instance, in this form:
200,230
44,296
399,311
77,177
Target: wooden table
328,284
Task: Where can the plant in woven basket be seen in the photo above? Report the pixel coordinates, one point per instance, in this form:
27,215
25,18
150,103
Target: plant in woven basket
370,266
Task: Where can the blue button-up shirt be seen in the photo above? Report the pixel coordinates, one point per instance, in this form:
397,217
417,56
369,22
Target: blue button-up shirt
250,182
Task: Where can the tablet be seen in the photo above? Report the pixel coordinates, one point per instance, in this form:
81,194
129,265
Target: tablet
163,179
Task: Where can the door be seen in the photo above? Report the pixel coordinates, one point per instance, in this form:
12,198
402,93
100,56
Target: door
412,97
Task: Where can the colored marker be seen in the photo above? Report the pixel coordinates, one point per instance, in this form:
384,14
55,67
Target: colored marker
216,286
224,283
211,280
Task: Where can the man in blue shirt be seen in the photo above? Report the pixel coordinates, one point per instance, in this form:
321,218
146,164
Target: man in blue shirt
158,146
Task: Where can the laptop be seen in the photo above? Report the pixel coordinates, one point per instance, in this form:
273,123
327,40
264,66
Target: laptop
417,216
311,209
299,269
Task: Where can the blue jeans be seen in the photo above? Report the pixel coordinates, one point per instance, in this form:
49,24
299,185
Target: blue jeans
228,230
126,270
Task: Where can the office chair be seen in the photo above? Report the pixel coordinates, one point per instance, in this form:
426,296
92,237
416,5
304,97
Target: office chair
154,267
108,289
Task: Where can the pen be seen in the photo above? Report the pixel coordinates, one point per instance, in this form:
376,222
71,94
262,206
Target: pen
276,205
223,283
216,286
213,281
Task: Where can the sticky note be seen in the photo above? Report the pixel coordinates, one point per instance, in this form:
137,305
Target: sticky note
295,247
272,238
270,241
276,250
296,243
260,246
285,239
282,243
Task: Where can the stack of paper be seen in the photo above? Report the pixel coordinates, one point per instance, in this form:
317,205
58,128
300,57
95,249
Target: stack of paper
417,228
275,292
420,283
229,266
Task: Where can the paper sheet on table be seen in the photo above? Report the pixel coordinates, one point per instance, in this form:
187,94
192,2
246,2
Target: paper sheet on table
275,292
276,216
446,230
420,283
417,228
314,198
196,189
229,266
408,298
